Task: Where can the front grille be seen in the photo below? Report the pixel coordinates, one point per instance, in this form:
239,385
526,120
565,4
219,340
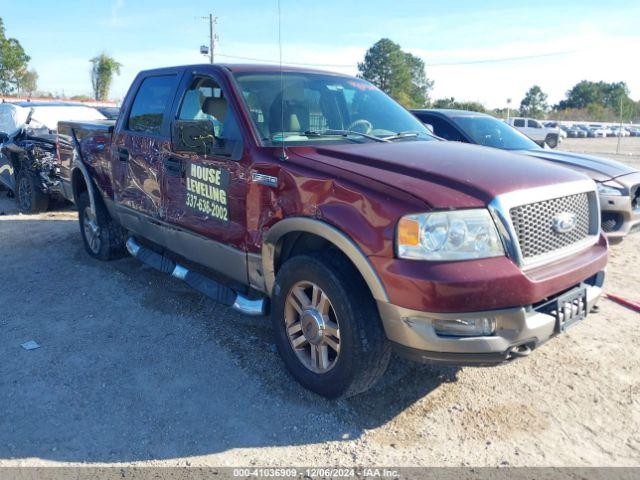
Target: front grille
534,224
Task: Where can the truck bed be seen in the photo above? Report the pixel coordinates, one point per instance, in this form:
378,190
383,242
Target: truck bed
86,141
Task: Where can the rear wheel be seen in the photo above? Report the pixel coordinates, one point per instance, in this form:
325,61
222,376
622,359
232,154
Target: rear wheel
327,327
552,141
29,198
103,238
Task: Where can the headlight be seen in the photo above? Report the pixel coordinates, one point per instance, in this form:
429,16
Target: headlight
608,190
454,235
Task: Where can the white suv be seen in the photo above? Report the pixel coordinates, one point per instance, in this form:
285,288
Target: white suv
536,131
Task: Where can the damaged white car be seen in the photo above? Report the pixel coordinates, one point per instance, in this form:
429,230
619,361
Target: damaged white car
29,165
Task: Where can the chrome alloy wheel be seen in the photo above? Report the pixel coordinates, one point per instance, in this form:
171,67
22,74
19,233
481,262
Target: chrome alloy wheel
312,327
91,230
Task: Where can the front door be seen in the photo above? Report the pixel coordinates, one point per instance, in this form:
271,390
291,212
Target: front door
205,195
142,146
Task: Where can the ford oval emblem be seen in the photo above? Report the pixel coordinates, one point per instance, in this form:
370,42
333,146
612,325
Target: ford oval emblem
565,222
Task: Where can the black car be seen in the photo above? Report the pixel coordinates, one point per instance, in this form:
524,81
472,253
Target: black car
618,184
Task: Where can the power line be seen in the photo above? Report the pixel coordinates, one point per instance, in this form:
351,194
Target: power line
288,63
442,64
499,60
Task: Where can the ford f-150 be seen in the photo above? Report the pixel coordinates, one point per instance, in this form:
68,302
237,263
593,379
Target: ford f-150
315,197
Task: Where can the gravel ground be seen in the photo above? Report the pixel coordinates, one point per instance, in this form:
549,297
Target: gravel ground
135,368
629,151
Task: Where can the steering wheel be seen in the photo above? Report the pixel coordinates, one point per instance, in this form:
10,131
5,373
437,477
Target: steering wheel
361,126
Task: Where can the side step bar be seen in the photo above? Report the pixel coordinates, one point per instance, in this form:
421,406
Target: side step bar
212,289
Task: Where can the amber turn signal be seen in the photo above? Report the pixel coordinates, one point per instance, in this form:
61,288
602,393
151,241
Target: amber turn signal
408,232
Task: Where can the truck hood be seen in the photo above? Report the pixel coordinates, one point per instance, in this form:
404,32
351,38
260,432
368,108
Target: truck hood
443,174
598,168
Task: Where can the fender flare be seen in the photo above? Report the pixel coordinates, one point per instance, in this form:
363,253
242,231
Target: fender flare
333,236
78,164
87,180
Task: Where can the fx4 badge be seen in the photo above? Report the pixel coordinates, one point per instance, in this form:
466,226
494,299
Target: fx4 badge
565,222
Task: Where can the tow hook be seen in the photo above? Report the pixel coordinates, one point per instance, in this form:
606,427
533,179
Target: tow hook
519,351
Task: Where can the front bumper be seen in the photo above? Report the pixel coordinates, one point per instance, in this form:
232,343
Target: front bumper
620,216
518,331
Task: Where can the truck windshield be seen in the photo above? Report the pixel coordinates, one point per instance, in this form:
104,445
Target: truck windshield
311,109
491,132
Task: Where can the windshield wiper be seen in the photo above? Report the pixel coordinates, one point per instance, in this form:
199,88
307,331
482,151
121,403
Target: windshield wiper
343,133
401,135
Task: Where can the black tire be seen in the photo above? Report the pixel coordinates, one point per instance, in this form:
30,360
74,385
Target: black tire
552,141
29,198
364,348
109,241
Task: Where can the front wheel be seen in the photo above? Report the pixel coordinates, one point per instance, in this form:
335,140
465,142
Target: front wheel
103,238
327,326
29,197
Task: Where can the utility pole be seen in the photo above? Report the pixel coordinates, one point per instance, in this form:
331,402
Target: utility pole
212,36
620,128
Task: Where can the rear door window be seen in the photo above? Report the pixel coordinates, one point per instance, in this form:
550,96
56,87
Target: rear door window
518,122
151,104
443,129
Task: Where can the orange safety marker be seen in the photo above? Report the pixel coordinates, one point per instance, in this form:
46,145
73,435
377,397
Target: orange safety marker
623,301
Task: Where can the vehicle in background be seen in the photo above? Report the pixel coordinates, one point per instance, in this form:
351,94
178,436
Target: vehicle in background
29,165
317,196
618,184
619,131
597,132
562,129
110,113
585,129
576,132
634,132
536,131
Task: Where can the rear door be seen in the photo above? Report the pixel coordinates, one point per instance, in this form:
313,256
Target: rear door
142,144
205,195
534,130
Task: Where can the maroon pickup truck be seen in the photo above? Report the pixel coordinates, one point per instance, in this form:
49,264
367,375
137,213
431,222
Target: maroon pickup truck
317,198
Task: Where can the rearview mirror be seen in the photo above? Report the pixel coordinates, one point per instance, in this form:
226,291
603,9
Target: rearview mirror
196,136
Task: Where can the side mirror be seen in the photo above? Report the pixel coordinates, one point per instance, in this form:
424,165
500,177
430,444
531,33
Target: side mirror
429,127
195,136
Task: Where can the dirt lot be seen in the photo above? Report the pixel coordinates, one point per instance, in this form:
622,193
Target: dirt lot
136,368
629,151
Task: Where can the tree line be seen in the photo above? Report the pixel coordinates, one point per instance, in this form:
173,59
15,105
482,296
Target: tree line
16,78
402,75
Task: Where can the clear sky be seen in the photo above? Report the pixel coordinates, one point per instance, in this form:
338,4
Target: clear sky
571,40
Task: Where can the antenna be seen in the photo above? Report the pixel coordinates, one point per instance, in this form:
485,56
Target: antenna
283,155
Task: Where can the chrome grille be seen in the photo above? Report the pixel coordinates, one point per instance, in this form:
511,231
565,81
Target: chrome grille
533,224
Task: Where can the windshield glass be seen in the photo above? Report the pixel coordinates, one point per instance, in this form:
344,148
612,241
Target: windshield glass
491,132
320,108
